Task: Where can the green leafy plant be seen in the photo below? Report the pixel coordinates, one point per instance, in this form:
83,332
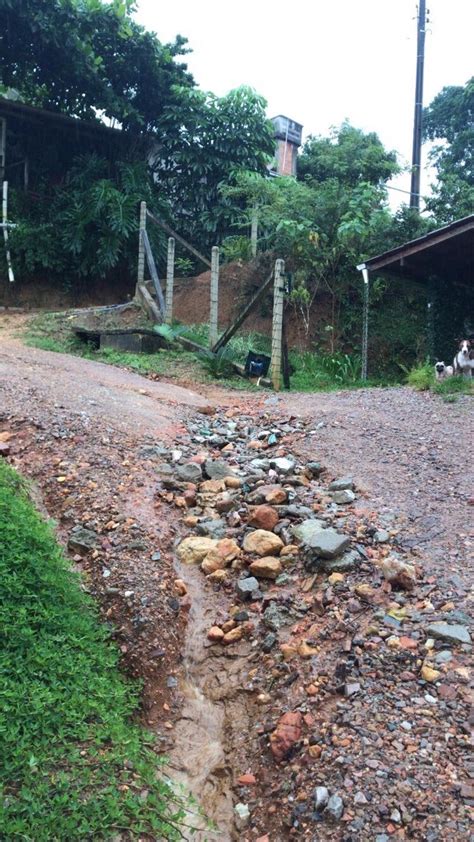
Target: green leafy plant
421,377
218,365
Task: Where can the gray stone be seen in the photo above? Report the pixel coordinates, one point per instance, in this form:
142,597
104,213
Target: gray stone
381,536
218,469
328,543
321,797
260,464
444,656
296,510
349,561
343,497
164,470
213,528
359,798
274,617
269,641
82,540
189,472
242,816
315,468
283,465
246,588
452,632
307,531
341,484
335,807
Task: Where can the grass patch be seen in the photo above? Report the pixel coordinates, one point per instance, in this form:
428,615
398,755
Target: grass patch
422,378
72,763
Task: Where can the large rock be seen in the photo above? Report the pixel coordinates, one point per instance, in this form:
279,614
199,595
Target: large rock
193,550
264,517
217,469
286,734
453,632
267,567
341,484
327,543
262,542
189,472
224,552
82,540
307,531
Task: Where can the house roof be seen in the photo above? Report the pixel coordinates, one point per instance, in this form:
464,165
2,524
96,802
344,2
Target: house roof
9,107
447,253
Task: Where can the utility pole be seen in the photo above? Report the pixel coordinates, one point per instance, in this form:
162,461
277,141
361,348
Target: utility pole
417,127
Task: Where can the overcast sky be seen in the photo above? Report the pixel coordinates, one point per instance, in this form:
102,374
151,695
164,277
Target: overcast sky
322,62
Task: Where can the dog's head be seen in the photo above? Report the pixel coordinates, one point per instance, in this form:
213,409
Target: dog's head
465,348
439,367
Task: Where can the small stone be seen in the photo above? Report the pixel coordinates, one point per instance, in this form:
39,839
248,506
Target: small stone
224,502
335,807
218,576
275,495
308,530
352,688
233,482
189,472
342,498
328,544
283,465
360,799
399,573
246,588
274,617
286,734
247,780
381,536
4,449
314,468
343,484
193,550
264,517
212,486
429,674
82,540
262,543
269,642
215,634
217,469
348,561
453,632
233,635
336,578
266,567
321,798
180,587
242,816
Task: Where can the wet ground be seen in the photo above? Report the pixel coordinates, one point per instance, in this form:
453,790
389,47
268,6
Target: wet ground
88,434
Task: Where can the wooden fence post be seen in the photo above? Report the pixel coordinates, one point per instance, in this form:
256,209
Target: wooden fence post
170,281
214,309
141,244
277,328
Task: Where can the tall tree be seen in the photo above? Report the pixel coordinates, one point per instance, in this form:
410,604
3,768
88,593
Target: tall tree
88,57
450,119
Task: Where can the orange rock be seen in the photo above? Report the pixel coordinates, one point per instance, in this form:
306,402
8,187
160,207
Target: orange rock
247,779
312,690
264,517
233,635
408,643
215,634
315,751
232,482
286,734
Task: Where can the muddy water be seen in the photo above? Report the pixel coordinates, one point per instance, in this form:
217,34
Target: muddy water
214,711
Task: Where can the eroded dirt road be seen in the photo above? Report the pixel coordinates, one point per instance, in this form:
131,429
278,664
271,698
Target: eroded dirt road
394,749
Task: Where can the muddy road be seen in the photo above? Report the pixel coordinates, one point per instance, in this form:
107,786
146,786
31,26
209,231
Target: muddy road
93,437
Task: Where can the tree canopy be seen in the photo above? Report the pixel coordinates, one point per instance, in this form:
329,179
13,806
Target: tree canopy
450,119
349,155
88,57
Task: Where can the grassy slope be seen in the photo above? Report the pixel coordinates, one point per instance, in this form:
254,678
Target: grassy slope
72,764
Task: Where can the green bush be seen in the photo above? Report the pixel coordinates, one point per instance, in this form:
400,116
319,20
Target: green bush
421,377
73,766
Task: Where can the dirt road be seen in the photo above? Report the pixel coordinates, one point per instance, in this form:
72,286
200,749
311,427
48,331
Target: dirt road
92,437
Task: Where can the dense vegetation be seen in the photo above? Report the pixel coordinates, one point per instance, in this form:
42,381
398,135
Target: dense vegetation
72,764
206,173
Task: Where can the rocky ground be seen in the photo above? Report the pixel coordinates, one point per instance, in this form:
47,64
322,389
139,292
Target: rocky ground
289,578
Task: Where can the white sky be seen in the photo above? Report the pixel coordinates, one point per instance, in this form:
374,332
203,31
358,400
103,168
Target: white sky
322,62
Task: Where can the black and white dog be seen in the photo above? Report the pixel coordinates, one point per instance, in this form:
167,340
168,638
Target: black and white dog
443,371
464,359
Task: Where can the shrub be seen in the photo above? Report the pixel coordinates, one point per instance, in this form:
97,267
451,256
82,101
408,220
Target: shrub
421,377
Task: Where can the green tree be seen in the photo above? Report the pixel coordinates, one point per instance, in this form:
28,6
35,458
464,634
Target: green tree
450,119
347,155
88,57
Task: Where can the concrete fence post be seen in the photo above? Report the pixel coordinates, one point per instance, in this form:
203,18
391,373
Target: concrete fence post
214,309
277,328
254,231
170,281
141,244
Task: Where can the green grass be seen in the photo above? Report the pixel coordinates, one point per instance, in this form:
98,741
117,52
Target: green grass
313,370
73,766
422,378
